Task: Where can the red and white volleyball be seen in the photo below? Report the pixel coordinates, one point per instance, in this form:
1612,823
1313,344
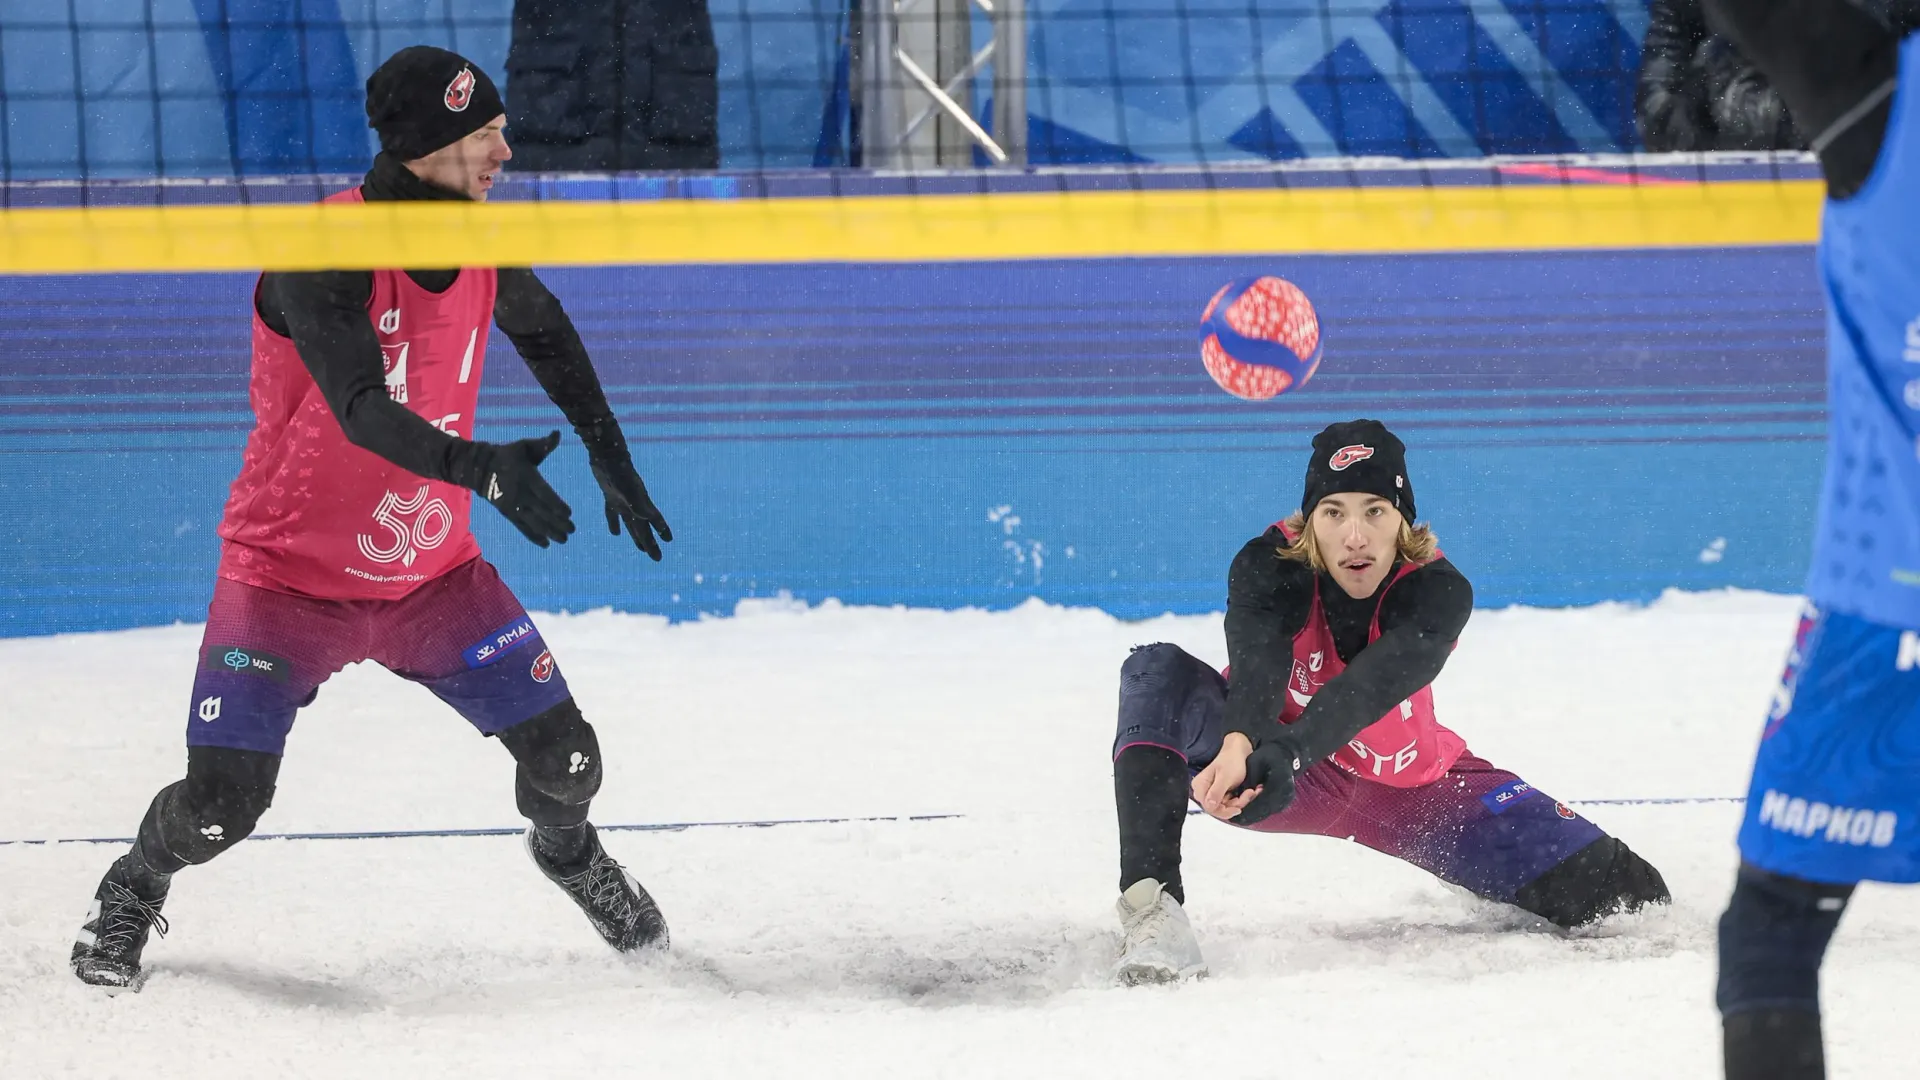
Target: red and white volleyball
1260,337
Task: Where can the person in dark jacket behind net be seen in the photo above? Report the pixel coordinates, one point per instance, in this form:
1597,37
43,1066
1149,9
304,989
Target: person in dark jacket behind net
598,85
1697,93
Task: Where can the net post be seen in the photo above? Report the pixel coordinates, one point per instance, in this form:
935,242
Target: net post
917,68
952,53
1010,79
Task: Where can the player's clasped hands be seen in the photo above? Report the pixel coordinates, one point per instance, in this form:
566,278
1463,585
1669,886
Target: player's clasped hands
1266,774
1214,787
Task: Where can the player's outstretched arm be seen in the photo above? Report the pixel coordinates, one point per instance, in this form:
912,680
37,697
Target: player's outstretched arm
1268,600
325,314
533,319
1833,64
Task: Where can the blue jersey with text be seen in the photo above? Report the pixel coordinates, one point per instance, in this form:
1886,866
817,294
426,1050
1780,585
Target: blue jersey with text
1866,556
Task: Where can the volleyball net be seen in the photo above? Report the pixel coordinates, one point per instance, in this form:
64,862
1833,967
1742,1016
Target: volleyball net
168,88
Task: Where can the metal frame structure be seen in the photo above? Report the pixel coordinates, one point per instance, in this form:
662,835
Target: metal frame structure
915,71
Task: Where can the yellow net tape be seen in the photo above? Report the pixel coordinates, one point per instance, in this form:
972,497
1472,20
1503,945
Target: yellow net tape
1084,224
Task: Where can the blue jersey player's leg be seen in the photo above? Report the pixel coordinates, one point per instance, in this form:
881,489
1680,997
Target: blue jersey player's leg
1835,797
1834,800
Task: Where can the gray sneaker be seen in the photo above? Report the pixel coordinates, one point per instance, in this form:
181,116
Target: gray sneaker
1159,945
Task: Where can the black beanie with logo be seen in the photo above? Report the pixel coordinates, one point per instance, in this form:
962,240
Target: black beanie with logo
1362,456
425,98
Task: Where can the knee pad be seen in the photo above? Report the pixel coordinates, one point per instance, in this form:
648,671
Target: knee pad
1155,681
214,808
1772,938
1148,667
1604,878
559,765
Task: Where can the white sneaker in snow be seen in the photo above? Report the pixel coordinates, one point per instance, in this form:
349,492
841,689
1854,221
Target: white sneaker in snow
1159,945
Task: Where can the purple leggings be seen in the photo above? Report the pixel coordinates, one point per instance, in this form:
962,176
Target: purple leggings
1479,827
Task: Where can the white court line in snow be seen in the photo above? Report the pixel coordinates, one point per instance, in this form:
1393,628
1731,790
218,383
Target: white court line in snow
680,826
419,834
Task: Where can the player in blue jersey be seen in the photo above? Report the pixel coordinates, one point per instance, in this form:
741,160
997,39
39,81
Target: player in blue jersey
1835,798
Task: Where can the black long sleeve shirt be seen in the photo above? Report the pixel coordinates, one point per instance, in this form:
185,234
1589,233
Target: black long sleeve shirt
1268,602
325,314
1825,57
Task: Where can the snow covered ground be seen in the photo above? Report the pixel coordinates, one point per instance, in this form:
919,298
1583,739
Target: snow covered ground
973,946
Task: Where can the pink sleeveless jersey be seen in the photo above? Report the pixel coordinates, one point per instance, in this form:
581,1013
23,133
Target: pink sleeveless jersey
1405,748
310,512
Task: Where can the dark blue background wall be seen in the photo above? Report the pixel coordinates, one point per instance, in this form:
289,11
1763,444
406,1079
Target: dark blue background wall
1583,426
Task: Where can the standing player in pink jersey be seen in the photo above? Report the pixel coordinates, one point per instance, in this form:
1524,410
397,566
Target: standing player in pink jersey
346,531
1338,621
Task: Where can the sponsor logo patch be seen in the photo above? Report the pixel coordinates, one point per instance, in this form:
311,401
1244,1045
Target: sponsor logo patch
499,643
1508,795
460,91
1348,456
1301,686
543,667
1564,811
245,661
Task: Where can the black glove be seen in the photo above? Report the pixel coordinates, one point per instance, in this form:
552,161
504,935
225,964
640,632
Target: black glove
508,476
1270,766
627,501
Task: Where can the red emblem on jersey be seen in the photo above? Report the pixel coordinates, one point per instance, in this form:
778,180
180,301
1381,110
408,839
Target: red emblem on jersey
460,91
1564,811
543,666
1347,456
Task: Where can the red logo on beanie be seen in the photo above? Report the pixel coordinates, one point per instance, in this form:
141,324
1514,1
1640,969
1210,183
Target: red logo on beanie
1347,456
460,91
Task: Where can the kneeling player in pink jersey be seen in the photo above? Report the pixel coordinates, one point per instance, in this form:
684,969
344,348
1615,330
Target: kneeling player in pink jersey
346,539
1338,620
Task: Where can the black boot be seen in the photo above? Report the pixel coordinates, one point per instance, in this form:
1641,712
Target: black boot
125,907
1604,878
615,904
1774,1044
